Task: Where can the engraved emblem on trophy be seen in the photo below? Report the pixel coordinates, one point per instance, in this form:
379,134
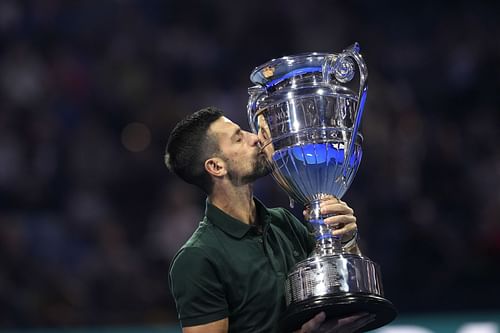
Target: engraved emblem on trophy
307,111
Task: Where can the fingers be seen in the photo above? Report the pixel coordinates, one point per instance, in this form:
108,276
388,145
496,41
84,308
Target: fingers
343,325
313,324
344,220
306,214
346,229
332,206
339,220
336,214
335,206
346,325
356,322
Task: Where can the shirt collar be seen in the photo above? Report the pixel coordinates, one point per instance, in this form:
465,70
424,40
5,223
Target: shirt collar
232,226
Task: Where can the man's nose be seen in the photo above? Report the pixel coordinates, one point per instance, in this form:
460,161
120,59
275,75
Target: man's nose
253,139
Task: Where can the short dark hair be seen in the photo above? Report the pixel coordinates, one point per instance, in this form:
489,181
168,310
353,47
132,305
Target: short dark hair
190,145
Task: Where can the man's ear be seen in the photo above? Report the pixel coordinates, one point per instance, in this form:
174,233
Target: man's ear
216,167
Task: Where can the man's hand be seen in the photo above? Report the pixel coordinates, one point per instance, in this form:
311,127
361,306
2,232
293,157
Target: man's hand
341,219
349,324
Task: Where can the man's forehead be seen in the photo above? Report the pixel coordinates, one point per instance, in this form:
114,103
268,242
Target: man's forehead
227,122
223,125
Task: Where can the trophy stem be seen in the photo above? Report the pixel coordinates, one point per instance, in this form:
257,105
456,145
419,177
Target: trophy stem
326,243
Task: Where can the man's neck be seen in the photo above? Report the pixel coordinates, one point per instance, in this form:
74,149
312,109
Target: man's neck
237,202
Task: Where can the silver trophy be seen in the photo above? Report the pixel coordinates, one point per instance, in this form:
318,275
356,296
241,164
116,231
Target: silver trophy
307,111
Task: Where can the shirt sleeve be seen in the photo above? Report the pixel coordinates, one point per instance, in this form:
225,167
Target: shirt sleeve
305,234
197,289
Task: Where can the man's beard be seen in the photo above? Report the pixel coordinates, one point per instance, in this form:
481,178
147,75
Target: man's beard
261,168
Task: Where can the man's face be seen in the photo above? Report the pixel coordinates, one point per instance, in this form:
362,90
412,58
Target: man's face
240,150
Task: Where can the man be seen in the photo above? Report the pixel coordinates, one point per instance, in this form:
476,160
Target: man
229,276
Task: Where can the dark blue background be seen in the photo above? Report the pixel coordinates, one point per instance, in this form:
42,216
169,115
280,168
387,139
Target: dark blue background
90,216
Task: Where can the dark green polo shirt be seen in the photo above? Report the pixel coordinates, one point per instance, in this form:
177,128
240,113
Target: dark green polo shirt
231,269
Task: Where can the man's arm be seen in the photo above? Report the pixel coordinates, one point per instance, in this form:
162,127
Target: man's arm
198,291
219,326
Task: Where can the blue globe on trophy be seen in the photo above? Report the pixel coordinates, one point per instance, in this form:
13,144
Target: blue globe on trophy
307,110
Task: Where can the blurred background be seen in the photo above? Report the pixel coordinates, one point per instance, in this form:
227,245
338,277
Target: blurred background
89,91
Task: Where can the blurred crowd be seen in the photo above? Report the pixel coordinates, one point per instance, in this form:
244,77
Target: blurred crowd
89,90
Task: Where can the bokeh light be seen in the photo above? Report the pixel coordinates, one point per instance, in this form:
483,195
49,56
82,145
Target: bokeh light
136,137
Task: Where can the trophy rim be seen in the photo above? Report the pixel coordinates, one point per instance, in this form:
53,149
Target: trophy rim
316,65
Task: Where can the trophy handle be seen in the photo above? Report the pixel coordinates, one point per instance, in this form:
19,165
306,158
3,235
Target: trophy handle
343,69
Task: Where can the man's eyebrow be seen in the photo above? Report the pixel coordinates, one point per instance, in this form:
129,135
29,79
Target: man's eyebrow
236,132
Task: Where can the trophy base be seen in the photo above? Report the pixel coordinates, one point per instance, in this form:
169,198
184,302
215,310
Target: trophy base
340,306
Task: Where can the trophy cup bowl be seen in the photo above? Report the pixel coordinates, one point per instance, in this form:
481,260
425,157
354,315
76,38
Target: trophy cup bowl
306,110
